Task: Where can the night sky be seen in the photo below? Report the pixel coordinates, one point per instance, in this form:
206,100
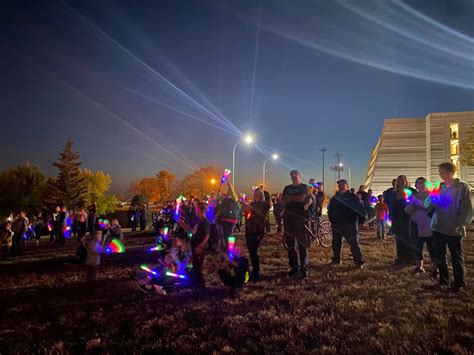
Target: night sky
145,85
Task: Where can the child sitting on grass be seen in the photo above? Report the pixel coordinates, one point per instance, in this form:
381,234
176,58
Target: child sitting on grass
155,278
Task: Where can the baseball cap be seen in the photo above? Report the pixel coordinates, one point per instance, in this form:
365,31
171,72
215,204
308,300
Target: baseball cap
342,181
294,172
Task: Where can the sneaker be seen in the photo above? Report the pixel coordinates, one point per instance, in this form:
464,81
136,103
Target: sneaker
159,290
304,273
418,271
360,265
293,272
435,275
145,288
335,262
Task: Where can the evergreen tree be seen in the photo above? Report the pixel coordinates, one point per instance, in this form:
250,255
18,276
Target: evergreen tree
68,189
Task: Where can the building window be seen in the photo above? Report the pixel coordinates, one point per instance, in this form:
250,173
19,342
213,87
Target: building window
454,146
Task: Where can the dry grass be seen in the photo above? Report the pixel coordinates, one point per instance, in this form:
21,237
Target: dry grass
46,306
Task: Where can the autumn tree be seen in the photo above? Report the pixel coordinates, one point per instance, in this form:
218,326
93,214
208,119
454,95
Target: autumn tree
68,188
200,182
22,188
166,181
149,187
97,185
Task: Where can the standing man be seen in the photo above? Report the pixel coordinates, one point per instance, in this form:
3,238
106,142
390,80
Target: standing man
452,213
227,213
294,198
345,213
19,228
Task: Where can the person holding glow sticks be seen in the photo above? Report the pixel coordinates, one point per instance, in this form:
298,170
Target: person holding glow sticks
53,225
452,208
420,227
401,222
227,213
199,240
255,227
63,226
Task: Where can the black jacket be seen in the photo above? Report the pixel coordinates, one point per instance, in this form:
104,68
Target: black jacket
346,208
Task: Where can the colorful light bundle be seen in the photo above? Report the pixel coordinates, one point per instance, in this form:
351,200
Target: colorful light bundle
225,176
147,269
372,201
243,198
231,248
50,226
165,233
103,223
169,273
389,221
177,211
67,231
115,247
408,195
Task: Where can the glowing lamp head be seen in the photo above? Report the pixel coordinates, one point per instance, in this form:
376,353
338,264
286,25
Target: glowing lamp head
275,156
248,139
213,181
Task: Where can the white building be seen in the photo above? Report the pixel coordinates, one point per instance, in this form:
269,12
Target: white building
416,146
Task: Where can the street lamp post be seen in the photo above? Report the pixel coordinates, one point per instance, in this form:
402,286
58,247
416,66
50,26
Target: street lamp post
274,157
349,170
247,139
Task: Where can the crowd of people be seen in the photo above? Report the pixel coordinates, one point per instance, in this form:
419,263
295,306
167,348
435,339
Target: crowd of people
415,216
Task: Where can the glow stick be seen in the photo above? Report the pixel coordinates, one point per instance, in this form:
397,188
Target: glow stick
372,201
157,248
225,176
177,212
389,221
408,195
103,223
115,246
144,267
243,197
50,226
165,231
231,247
169,273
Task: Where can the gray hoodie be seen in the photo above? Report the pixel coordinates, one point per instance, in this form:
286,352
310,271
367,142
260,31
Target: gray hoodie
453,210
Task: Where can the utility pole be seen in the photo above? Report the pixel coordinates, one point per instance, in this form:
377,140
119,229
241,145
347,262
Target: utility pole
323,150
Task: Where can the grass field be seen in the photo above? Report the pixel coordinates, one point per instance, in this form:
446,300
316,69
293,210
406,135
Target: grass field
46,306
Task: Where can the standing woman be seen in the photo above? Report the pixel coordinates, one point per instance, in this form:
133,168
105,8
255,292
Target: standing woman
200,238
401,223
255,226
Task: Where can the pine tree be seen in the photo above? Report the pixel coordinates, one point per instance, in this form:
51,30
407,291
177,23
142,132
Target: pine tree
68,189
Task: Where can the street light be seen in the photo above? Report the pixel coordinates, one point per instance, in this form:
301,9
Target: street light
213,181
247,139
349,175
274,157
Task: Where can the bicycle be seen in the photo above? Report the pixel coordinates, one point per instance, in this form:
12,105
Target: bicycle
323,234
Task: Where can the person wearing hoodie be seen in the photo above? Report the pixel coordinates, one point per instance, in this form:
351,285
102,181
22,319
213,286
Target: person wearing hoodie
401,223
420,227
452,212
346,212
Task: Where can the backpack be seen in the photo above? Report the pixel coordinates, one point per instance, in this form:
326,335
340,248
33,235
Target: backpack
228,209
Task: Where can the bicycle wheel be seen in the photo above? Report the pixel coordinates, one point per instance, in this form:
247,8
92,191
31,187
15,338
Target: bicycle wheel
325,233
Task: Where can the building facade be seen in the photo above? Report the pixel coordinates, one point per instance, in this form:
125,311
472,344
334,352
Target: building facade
416,146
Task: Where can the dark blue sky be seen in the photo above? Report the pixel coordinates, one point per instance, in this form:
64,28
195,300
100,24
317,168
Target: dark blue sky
141,86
